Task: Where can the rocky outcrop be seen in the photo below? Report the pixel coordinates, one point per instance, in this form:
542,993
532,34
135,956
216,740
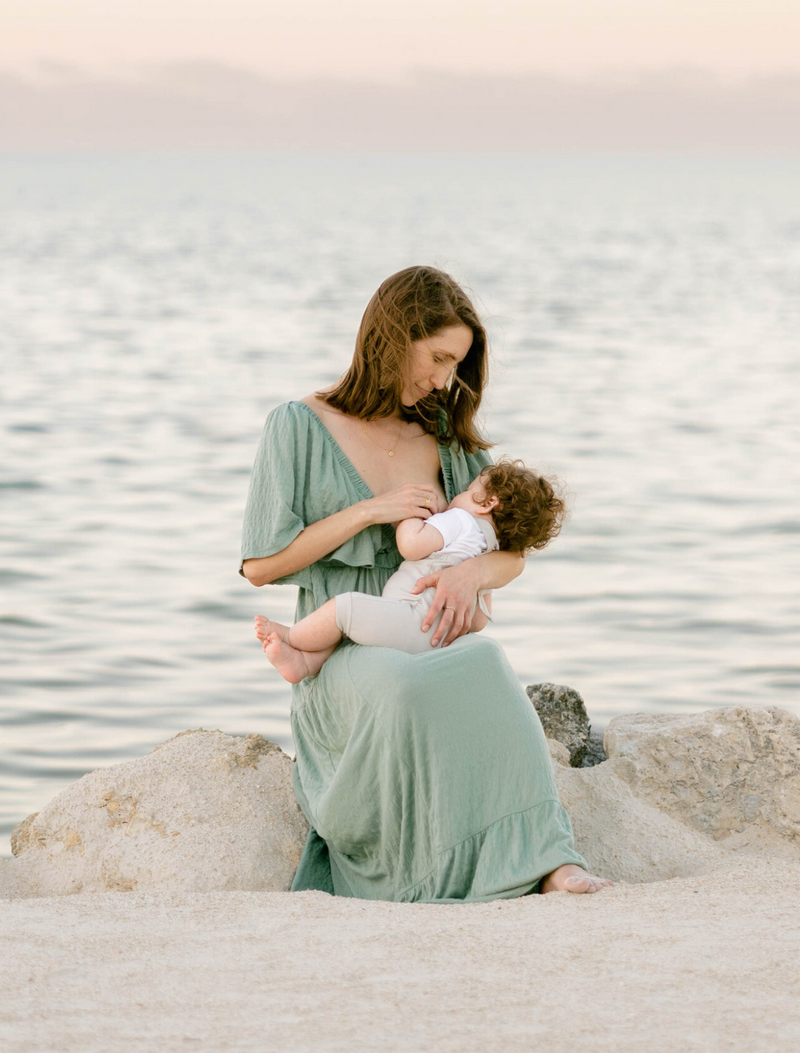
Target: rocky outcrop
725,773
621,837
595,750
203,812
626,839
679,795
564,718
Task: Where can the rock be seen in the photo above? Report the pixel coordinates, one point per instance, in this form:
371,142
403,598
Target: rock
626,839
681,795
563,716
559,754
20,835
202,812
726,773
678,796
595,751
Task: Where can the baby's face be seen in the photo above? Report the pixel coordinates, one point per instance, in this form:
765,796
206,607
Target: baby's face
472,499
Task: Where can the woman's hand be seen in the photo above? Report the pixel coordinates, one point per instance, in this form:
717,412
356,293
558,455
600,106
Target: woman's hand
456,597
318,539
411,500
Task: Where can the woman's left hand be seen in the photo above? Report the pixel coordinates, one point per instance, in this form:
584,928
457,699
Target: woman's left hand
456,597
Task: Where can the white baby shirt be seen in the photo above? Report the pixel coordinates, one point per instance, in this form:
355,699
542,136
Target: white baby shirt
464,535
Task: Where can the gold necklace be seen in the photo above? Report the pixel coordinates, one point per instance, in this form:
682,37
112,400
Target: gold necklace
396,441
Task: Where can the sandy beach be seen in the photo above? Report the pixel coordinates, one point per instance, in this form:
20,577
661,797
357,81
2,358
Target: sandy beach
709,963
146,909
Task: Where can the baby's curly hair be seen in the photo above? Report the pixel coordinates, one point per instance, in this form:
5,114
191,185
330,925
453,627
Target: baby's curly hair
530,511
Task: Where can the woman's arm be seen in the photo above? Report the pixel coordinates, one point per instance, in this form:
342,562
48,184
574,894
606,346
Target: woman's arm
318,539
479,619
457,589
311,544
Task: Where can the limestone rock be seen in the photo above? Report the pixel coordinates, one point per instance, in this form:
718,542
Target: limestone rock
728,773
202,812
563,716
626,839
681,795
20,835
559,754
678,796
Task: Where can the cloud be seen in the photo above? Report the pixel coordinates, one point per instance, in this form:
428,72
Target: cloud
208,105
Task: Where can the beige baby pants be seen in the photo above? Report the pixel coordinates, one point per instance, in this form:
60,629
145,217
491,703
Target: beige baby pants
394,618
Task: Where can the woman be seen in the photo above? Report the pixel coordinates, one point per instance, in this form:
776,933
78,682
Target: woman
423,777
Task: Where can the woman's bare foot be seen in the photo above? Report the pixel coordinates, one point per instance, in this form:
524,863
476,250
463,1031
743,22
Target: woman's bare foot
293,665
572,878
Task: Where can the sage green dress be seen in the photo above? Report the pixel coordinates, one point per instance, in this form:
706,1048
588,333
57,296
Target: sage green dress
424,777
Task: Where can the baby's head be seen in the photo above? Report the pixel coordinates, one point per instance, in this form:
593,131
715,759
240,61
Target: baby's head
524,508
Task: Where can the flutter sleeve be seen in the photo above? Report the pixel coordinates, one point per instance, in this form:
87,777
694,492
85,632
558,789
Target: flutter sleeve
274,512
299,477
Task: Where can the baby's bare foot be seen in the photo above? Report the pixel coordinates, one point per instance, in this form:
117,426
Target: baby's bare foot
264,627
572,878
293,665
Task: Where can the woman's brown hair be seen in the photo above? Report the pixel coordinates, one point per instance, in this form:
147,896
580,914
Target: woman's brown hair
412,305
529,513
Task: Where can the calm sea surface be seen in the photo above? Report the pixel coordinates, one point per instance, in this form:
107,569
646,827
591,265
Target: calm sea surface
645,323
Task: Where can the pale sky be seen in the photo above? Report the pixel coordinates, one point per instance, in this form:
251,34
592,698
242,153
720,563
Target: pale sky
365,40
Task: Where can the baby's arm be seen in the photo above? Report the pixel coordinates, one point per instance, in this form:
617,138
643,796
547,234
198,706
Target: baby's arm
416,540
479,619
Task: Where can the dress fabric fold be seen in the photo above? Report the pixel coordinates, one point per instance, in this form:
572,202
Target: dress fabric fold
424,778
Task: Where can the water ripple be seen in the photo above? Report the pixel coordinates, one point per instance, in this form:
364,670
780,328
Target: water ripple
644,324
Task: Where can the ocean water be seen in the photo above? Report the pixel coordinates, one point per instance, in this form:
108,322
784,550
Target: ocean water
645,322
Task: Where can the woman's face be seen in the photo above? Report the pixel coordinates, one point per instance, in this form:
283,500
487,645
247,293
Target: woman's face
433,360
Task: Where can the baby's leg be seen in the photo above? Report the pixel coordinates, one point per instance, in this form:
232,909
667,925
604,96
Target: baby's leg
300,650
379,621
315,632
293,664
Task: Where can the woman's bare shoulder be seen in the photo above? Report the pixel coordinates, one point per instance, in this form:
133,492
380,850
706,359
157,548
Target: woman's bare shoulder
319,406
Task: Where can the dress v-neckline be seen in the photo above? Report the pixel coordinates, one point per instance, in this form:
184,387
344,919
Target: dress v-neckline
355,476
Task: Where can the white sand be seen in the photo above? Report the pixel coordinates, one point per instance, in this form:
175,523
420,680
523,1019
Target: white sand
709,963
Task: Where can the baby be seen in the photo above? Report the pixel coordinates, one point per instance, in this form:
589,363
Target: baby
506,507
